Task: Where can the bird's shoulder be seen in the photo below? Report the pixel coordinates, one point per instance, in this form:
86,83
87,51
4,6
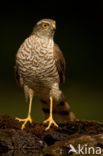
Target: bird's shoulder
27,46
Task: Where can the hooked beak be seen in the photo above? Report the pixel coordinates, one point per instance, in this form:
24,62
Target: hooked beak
54,25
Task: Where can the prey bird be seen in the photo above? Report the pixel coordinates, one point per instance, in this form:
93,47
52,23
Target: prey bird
40,69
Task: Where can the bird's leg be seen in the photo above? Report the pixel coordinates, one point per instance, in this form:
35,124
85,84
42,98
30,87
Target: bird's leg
50,120
28,119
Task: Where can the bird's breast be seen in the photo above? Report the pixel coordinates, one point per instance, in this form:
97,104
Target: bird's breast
36,62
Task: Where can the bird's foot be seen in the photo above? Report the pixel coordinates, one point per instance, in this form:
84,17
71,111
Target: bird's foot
28,119
51,121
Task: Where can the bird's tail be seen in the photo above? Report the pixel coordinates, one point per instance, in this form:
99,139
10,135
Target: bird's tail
61,111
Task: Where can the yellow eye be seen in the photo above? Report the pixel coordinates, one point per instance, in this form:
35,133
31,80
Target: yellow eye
45,25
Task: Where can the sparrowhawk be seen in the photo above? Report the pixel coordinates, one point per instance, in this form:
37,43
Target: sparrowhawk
40,68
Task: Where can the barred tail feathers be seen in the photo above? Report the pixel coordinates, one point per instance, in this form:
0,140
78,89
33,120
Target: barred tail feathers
61,111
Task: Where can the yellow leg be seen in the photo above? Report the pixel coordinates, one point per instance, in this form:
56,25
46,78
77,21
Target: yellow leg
28,119
50,120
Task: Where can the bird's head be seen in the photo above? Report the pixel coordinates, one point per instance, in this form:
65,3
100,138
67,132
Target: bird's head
45,28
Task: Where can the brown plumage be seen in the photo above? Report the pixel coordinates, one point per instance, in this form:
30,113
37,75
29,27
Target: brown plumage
59,62
40,68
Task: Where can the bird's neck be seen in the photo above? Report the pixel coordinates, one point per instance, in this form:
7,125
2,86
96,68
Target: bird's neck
47,41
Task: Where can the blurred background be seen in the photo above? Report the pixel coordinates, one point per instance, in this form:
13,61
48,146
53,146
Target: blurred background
80,36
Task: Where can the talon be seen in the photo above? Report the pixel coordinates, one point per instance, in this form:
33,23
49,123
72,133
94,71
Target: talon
20,120
28,119
51,121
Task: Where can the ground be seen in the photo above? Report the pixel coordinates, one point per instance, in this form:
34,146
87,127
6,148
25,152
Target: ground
34,140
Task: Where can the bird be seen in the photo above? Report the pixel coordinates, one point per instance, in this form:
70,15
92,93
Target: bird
40,69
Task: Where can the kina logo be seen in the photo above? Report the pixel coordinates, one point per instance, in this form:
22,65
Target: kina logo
84,149
72,149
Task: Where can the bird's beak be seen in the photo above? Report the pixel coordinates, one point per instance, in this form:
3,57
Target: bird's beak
54,25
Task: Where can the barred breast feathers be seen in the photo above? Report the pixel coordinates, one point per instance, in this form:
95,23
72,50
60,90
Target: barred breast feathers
33,45
35,53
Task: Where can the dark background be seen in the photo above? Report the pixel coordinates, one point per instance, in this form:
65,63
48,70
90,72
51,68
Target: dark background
80,36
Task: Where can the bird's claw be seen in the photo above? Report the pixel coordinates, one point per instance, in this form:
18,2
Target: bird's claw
28,119
51,121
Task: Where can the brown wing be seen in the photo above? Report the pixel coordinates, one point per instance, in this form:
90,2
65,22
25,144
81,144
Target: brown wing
19,80
60,63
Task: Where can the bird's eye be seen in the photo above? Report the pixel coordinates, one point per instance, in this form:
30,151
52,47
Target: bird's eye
45,25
